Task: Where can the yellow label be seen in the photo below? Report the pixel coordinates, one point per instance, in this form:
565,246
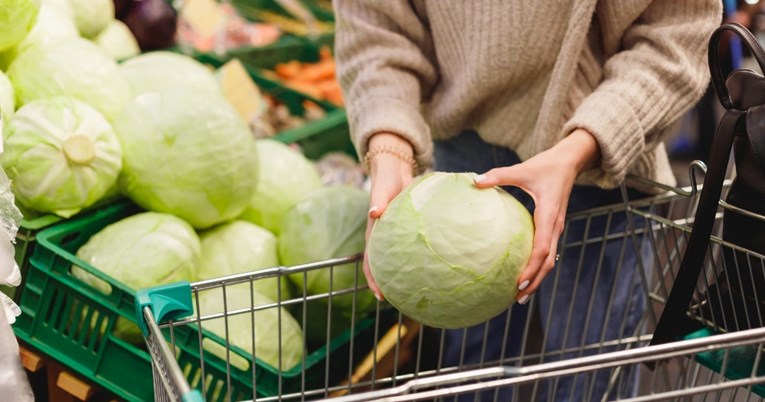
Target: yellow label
240,90
204,16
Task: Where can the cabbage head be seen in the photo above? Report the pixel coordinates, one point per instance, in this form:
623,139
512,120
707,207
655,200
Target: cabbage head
284,177
142,250
52,22
448,254
7,102
158,70
187,153
92,16
330,222
240,332
61,154
238,247
17,17
72,67
118,41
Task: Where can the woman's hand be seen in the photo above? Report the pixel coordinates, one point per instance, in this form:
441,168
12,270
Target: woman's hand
389,175
549,178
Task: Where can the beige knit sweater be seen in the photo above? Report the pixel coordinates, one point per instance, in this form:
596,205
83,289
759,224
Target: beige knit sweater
526,73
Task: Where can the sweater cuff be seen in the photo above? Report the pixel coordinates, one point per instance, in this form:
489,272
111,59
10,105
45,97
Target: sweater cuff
392,116
618,132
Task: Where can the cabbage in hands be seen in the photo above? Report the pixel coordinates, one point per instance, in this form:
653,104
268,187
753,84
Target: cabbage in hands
285,176
328,223
240,327
239,247
448,254
61,154
187,153
143,250
72,67
156,71
16,20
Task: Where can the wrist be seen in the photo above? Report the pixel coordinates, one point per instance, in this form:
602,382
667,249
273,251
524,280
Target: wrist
579,149
391,148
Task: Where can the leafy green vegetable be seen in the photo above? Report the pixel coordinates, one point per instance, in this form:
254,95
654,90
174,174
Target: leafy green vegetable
285,177
143,250
72,67
61,154
92,16
52,22
117,41
16,19
238,247
269,348
7,102
159,70
330,222
188,154
448,254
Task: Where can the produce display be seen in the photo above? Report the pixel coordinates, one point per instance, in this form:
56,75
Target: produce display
448,254
97,105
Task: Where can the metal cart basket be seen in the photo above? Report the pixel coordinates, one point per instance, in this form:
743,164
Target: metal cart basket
382,355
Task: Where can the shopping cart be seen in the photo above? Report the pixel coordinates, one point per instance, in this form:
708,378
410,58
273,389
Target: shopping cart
382,355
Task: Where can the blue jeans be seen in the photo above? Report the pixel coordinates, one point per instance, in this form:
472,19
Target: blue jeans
593,295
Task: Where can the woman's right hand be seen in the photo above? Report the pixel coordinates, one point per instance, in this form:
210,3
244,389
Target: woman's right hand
389,175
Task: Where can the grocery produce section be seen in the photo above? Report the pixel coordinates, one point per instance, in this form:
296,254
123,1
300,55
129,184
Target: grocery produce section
194,223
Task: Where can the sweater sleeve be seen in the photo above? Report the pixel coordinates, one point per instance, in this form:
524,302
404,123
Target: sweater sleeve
657,75
384,52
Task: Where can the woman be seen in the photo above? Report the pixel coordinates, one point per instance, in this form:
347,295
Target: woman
557,99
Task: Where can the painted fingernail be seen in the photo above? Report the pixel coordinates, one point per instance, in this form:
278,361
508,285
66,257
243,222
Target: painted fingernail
523,299
373,210
480,178
523,285
378,297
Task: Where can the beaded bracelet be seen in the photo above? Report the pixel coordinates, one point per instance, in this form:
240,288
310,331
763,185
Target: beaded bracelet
390,150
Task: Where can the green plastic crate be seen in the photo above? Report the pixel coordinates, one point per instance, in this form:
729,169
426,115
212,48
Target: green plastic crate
56,308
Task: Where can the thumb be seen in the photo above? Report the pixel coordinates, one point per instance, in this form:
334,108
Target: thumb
380,196
504,176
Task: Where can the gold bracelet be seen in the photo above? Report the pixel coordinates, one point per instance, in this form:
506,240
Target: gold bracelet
390,150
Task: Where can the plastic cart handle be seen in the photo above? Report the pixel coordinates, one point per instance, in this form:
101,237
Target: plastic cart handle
167,302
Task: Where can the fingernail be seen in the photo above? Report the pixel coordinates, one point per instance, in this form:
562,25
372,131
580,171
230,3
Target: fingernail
523,285
378,297
523,299
480,178
373,210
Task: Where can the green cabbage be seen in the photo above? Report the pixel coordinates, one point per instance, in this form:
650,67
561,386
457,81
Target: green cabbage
7,102
240,327
16,20
448,254
69,67
118,41
156,71
61,154
239,247
92,16
285,177
330,222
52,22
143,250
187,153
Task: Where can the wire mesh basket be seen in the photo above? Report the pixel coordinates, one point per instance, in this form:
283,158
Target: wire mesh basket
573,341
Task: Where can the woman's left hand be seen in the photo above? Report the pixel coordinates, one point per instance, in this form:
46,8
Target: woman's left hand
549,178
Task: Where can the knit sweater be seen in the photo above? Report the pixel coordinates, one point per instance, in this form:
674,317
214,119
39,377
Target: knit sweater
524,74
